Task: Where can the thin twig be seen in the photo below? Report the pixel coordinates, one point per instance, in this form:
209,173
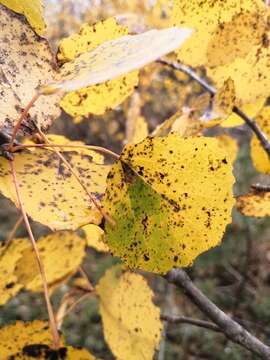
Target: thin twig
53,325
21,118
233,331
251,123
90,147
187,320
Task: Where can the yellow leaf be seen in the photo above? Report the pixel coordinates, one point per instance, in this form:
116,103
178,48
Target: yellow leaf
117,57
225,99
255,204
230,145
94,237
51,194
131,323
235,38
259,157
175,208
95,99
9,256
34,340
250,109
32,10
61,254
250,69
27,62
207,17
14,338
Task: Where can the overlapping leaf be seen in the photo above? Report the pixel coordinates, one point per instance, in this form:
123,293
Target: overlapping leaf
209,18
9,285
117,57
61,254
131,323
95,99
175,205
32,10
94,237
26,63
51,194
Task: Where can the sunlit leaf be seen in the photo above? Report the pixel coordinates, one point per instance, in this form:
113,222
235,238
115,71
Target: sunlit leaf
117,57
256,204
32,10
26,63
131,323
51,194
95,99
189,180
44,352
209,17
61,254
94,237
250,69
259,157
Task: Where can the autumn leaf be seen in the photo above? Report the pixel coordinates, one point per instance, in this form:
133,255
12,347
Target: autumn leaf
95,99
51,194
190,180
32,10
131,323
256,204
26,63
9,255
94,237
61,254
229,144
209,18
33,340
15,337
259,157
117,57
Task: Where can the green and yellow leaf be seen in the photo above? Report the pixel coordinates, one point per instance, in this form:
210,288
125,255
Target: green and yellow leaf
171,199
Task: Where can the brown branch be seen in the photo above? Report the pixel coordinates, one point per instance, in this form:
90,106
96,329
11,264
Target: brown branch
53,325
233,331
250,122
187,320
260,188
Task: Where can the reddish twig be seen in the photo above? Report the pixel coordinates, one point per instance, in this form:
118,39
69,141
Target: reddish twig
21,118
53,325
90,147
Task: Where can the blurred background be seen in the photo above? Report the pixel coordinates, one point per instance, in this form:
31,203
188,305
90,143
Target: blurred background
236,275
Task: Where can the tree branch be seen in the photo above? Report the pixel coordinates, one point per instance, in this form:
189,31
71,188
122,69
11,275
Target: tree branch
187,320
233,331
250,123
